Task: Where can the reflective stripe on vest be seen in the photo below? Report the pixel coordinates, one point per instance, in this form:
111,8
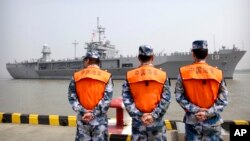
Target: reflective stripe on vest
90,86
146,85
201,83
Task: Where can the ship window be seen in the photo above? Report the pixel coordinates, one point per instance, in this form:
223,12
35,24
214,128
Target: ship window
42,67
217,57
127,65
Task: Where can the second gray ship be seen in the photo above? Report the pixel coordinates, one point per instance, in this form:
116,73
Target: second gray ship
45,68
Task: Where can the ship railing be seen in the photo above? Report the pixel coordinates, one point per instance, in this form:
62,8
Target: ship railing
74,59
28,61
180,53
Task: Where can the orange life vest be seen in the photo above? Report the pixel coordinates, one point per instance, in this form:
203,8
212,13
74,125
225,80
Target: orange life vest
201,83
146,85
90,86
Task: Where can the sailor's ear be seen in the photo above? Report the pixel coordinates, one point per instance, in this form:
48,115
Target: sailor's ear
139,58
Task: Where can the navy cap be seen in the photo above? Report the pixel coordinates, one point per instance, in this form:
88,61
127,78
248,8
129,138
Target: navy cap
145,50
92,54
199,44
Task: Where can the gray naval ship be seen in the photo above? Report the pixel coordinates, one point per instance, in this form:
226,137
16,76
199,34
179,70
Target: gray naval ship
45,68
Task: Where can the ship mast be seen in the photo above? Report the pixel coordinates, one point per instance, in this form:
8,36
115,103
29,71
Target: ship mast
104,48
214,42
75,44
100,30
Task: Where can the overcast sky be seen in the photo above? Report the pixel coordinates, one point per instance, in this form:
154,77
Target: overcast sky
169,26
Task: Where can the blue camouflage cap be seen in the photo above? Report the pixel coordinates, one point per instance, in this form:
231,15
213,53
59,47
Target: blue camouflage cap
199,44
145,50
92,54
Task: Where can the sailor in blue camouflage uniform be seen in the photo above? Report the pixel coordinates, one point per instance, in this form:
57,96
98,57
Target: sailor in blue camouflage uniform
201,123
139,92
92,122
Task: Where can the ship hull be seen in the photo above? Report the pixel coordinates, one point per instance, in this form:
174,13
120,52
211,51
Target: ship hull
226,61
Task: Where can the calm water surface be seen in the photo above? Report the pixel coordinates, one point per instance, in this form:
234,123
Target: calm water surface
50,97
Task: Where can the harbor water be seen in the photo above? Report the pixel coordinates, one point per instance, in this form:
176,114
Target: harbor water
32,96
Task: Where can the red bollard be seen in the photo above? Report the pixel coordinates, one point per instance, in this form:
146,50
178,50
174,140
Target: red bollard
117,103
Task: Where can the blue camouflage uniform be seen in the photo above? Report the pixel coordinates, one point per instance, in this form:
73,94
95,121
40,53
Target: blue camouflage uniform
155,131
209,129
212,124
97,128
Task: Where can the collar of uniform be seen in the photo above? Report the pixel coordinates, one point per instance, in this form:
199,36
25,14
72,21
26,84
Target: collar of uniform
93,66
147,64
200,62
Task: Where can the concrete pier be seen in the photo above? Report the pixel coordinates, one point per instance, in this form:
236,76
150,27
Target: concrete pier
28,132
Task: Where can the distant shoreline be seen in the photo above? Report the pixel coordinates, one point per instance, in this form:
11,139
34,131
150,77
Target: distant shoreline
242,71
